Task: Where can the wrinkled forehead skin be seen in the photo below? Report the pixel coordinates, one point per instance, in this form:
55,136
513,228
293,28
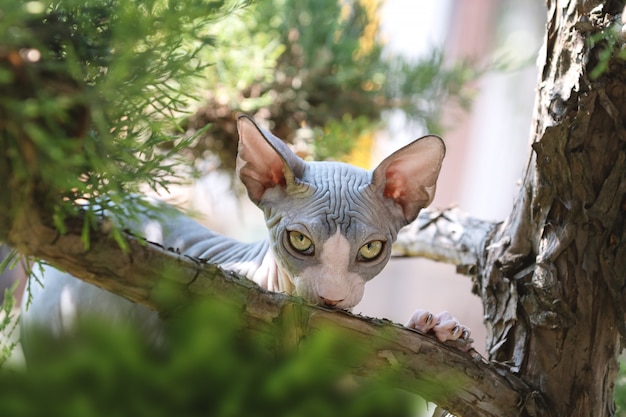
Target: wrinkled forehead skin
331,196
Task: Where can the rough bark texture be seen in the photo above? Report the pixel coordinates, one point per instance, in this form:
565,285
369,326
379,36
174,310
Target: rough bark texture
553,273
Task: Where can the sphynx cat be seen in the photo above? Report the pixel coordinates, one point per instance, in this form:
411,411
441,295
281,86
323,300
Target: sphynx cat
331,226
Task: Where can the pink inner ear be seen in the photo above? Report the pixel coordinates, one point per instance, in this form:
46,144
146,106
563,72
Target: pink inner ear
259,164
277,174
409,175
395,185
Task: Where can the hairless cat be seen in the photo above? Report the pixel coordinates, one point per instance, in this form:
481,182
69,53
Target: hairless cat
331,226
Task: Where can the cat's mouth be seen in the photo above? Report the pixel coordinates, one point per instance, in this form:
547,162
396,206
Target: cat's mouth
327,307
329,289
330,304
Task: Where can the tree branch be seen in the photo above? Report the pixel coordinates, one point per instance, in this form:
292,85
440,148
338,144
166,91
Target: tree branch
449,236
462,383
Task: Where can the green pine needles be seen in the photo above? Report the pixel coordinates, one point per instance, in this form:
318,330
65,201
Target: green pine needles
91,93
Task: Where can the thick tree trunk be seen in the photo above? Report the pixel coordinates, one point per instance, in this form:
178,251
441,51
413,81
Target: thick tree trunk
554,272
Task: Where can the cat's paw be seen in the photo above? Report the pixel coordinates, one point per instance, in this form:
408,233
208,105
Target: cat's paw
444,326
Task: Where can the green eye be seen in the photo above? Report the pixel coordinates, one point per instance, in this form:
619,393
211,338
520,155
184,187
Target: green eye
371,250
300,242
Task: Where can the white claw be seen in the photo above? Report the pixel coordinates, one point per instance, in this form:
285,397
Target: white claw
422,320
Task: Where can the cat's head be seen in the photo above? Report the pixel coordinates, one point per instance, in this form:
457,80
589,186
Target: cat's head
331,224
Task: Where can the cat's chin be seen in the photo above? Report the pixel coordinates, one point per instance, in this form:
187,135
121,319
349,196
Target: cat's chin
330,306
352,299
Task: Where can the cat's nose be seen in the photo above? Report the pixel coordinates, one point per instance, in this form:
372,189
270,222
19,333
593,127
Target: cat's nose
329,303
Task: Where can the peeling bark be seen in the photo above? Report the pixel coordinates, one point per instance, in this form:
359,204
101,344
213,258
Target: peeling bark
553,274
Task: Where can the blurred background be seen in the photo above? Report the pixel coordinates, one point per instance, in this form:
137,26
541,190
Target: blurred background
487,146
354,81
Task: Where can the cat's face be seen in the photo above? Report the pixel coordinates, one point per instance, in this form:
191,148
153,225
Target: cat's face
332,225
330,232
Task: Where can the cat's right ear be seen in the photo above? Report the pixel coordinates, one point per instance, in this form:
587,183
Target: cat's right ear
263,160
409,176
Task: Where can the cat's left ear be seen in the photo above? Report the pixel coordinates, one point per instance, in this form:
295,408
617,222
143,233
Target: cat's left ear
409,175
264,161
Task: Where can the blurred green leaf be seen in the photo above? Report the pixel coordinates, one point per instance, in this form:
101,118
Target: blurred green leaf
211,366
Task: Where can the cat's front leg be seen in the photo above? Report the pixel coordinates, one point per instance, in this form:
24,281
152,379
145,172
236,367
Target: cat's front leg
444,326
